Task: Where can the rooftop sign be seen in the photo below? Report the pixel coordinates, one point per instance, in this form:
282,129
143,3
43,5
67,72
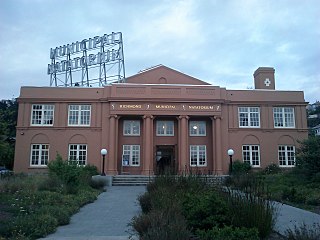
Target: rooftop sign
95,53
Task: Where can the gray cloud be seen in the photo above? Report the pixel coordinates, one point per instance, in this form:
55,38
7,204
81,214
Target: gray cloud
221,42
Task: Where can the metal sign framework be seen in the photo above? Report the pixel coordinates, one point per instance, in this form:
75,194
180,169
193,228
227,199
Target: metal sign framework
90,62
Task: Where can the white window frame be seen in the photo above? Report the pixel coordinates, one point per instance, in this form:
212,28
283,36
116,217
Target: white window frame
39,155
167,126
252,152
80,113
284,117
43,115
129,127
198,151
79,150
249,112
197,128
285,153
134,154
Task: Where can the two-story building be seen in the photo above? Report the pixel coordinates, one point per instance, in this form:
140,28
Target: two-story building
160,118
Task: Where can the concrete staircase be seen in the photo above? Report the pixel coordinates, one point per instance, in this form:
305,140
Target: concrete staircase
131,180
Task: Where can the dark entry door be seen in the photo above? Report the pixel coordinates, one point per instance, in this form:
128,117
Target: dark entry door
165,160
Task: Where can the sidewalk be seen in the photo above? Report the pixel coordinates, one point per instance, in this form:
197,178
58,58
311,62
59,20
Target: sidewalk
289,217
106,218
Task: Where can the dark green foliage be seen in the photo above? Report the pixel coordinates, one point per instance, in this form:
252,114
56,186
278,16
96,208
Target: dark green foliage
205,210
292,195
181,207
36,205
304,232
272,169
248,210
239,167
71,175
159,225
8,122
308,157
145,202
25,226
228,233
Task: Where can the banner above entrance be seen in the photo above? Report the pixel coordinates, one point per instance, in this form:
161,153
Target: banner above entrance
166,107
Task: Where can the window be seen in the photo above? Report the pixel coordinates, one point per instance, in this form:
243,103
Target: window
79,115
39,155
251,155
78,154
283,117
165,128
42,115
197,128
249,117
131,128
198,155
286,156
133,153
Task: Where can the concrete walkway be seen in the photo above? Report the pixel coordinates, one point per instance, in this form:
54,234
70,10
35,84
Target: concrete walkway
289,217
106,218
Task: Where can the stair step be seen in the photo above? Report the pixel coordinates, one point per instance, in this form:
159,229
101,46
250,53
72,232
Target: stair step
131,180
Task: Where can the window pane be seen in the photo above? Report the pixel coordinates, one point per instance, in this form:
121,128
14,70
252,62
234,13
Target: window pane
283,117
42,114
249,116
79,115
197,128
165,128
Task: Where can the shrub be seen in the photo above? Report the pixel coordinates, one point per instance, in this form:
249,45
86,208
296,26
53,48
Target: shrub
228,233
308,156
25,225
205,210
60,214
248,210
304,232
291,194
272,169
71,175
145,202
239,168
159,225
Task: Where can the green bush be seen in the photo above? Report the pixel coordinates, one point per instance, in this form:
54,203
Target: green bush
272,169
71,175
145,202
308,156
159,225
25,226
228,233
239,168
294,195
205,210
248,210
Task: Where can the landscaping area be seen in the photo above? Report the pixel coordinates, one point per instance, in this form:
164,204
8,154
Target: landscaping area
186,207
34,206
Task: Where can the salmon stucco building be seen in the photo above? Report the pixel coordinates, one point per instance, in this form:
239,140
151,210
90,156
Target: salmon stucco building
157,119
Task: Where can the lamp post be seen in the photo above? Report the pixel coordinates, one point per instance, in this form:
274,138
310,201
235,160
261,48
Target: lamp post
230,153
103,153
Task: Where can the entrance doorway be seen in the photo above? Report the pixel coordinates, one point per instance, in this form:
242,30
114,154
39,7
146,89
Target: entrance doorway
165,159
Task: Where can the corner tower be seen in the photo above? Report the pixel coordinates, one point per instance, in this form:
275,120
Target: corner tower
264,78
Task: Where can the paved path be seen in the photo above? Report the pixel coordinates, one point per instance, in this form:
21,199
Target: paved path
106,218
289,217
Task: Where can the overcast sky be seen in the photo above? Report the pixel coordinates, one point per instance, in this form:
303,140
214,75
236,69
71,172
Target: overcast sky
218,41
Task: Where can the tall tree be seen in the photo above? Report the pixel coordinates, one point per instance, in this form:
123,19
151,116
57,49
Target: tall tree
8,122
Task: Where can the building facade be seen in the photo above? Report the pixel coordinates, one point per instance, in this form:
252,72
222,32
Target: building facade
160,119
